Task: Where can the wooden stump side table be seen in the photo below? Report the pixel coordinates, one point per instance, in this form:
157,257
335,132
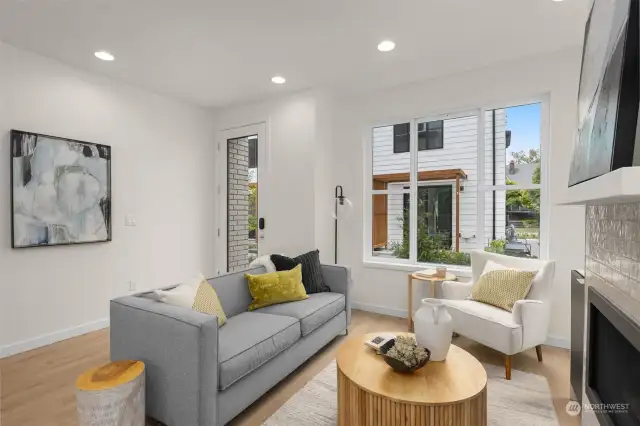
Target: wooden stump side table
112,394
370,393
432,281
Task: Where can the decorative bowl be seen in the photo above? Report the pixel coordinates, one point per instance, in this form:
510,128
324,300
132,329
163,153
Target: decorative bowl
399,366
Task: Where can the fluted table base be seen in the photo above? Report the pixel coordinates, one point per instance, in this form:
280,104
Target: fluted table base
358,407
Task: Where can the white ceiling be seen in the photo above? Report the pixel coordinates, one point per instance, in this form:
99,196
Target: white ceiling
220,52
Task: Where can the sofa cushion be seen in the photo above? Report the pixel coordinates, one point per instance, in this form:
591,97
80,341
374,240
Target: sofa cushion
312,312
491,326
250,339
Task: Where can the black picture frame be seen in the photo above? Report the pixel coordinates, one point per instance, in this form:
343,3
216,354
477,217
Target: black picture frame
607,127
106,208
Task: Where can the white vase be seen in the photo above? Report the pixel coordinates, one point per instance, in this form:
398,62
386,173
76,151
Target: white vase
434,328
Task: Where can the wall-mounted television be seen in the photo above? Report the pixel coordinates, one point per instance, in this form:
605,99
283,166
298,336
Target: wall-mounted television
609,91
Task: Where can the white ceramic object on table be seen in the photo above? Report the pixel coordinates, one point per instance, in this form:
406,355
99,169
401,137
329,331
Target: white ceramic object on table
433,328
441,272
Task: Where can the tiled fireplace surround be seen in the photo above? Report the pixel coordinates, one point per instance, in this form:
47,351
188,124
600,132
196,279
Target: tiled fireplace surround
613,254
613,260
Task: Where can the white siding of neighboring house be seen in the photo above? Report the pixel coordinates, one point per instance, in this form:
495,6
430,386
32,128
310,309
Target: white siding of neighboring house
523,173
500,160
459,152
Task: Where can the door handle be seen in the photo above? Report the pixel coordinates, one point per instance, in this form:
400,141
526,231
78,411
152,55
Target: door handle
261,223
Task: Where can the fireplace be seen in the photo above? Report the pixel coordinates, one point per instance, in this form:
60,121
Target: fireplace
613,363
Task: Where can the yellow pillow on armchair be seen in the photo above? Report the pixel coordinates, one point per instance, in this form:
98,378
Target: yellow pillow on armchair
502,287
276,287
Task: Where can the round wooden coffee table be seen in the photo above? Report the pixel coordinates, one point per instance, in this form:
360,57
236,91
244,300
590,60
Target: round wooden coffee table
451,392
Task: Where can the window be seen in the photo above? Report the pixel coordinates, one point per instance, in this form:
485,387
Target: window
513,180
430,135
481,190
401,138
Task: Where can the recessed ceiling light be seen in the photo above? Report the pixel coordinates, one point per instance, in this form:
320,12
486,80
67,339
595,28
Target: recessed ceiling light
278,79
386,46
557,1
105,56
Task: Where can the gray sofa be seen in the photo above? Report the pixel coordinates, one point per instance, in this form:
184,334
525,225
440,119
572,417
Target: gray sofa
199,374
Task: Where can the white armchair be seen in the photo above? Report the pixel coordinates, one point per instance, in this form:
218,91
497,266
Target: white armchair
507,332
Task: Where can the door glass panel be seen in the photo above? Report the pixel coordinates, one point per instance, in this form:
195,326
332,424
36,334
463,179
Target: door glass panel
242,202
436,227
435,216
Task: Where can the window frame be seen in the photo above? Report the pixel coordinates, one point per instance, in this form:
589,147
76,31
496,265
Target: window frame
411,264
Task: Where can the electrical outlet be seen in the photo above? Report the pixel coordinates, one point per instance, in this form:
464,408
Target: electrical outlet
132,286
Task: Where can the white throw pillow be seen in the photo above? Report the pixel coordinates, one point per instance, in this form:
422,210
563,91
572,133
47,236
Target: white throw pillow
196,294
182,295
264,261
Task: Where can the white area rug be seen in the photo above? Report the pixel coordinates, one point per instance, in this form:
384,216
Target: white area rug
523,401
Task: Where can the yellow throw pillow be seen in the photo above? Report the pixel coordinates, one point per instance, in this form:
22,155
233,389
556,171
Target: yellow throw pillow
206,301
502,288
276,287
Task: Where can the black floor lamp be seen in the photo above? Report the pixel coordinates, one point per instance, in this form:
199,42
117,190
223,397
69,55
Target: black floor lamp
341,203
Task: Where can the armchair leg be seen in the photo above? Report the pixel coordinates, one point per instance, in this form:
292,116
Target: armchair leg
507,367
539,352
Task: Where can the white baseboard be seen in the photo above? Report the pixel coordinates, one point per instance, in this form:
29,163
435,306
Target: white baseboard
384,310
47,339
559,342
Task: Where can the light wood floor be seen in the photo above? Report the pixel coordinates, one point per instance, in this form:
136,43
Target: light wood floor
37,387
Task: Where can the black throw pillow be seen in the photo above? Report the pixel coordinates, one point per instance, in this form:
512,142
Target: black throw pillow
311,272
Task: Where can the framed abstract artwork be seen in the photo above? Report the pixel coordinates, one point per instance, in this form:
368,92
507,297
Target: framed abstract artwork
608,97
60,191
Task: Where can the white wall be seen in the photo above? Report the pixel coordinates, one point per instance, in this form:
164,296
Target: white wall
295,187
555,74
162,169
164,166
324,184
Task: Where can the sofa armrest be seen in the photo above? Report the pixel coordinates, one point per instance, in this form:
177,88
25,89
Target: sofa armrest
534,317
338,278
456,290
180,350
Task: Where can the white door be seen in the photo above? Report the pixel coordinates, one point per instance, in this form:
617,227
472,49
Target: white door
241,184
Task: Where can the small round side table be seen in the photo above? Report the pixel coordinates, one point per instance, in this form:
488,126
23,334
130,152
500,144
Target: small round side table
432,280
112,394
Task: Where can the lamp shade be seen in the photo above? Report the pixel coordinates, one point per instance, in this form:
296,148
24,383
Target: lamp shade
344,209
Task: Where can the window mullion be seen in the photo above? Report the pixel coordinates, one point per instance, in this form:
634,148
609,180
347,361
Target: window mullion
480,213
413,200
526,186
